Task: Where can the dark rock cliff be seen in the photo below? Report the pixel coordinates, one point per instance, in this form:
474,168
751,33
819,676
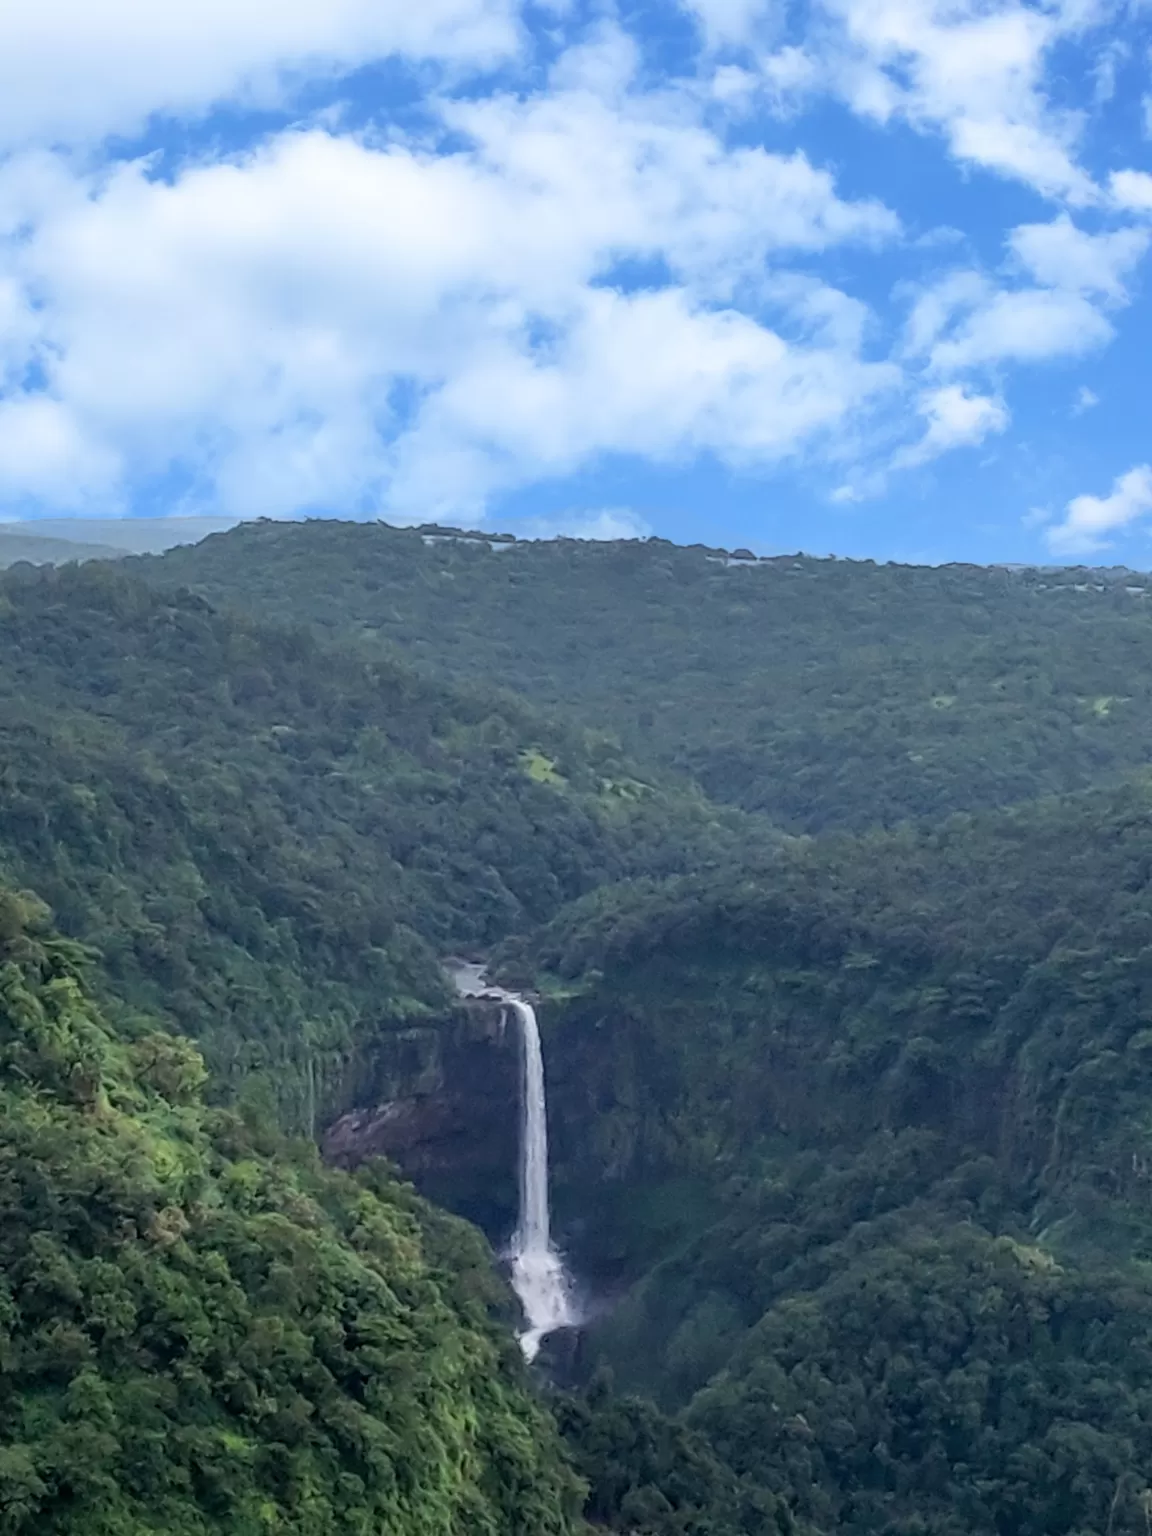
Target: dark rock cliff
442,1103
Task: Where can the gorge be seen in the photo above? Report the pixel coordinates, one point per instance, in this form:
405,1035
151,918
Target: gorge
846,1128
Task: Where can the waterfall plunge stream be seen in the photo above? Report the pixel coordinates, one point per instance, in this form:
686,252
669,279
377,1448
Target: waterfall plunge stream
538,1274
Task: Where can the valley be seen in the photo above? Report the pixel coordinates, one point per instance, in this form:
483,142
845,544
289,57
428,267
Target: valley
829,887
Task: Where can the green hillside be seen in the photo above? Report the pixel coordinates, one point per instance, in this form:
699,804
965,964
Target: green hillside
203,1332
870,1136
271,841
851,1123
824,693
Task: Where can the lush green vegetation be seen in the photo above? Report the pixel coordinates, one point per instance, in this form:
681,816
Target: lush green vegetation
270,841
870,1134
852,1131
650,1475
203,1331
824,693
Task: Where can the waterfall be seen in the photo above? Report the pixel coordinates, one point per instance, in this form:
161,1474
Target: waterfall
538,1275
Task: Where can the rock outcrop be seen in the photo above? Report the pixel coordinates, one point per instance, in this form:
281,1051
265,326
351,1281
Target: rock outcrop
444,1106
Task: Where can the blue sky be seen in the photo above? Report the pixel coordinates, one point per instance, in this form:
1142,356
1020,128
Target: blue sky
864,277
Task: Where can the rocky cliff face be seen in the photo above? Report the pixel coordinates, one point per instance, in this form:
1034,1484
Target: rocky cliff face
443,1104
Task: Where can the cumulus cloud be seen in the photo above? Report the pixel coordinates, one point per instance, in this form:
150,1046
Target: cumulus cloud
75,70
728,22
1032,325
966,322
1131,190
972,71
1062,256
325,322
640,172
955,419
1089,519
46,455
566,259
647,373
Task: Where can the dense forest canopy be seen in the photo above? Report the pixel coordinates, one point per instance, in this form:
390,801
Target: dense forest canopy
870,1132
824,693
203,1331
834,882
271,840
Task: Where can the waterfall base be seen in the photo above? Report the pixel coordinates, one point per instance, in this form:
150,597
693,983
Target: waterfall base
545,1291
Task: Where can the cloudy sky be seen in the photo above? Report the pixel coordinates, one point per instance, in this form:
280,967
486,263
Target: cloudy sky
859,276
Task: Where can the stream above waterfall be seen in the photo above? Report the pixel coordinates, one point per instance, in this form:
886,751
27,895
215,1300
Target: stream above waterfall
539,1277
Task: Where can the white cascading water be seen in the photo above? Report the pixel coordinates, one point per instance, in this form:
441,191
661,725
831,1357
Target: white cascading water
538,1275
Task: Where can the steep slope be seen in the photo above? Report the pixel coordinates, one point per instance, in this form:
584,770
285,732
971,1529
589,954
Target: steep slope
860,1147
853,1132
202,1332
269,840
983,988
824,693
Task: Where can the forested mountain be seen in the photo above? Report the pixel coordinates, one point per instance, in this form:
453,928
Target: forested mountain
271,841
825,693
871,1135
849,1081
202,1331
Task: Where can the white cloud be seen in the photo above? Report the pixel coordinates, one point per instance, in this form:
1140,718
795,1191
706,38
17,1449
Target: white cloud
646,373
1061,256
779,81
1088,519
848,493
955,419
1085,400
937,306
729,22
596,265
734,87
46,455
73,70
964,322
1109,60
1131,190
327,323
1031,325
639,173
973,71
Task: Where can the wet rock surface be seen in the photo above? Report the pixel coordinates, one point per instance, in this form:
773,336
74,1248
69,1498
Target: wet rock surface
444,1108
